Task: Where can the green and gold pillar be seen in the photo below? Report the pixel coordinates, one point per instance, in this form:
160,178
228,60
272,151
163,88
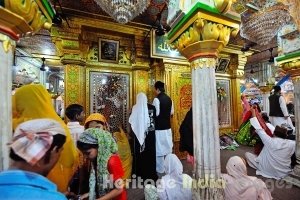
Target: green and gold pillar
200,36
73,53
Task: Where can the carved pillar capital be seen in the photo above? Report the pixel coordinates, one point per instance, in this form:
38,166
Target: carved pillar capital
70,47
203,33
141,66
25,17
267,88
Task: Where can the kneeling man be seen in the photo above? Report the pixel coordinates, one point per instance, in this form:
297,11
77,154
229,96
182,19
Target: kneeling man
274,161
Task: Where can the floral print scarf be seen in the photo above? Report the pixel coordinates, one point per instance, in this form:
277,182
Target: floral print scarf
106,147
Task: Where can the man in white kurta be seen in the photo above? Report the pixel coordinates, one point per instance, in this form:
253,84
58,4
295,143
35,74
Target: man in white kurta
274,161
278,111
163,133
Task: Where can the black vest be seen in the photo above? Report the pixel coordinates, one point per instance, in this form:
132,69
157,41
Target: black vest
163,121
275,110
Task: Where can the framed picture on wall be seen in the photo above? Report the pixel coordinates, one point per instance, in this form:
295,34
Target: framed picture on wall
222,65
161,49
224,102
108,50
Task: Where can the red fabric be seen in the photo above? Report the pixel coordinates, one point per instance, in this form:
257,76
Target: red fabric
114,167
258,147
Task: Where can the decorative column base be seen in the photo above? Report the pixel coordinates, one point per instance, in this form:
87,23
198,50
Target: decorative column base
208,193
293,179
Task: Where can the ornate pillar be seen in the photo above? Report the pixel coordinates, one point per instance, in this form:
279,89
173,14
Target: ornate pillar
140,80
265,95
293,68
200,36
73,53
15,22
6,54
237,65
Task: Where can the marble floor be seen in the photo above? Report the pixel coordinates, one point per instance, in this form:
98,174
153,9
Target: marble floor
279,190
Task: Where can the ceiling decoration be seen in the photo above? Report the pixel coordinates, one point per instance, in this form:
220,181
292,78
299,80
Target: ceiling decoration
40,43
123,11
262,26
90,7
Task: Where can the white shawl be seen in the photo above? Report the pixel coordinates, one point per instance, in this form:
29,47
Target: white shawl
139,118
240,186
174,185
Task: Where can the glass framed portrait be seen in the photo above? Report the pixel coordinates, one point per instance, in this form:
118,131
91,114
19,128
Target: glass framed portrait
108,50
222,65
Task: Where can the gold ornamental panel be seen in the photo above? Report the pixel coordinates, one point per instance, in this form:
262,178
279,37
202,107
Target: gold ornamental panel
74,85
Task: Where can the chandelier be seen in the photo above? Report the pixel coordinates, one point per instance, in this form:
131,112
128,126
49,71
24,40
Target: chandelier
262,26
123,11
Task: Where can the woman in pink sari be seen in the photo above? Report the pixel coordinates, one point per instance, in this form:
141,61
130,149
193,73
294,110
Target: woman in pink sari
238,185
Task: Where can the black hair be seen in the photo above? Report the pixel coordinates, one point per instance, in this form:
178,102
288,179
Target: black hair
160,85
280,132
58,141
258,107
265,117
85,146
277,88
290,108
73,110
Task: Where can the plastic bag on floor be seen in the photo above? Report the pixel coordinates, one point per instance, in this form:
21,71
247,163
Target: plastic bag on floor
226,142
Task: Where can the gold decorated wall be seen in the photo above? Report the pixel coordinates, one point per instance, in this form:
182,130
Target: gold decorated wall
74,85
141,83
83,53
79,49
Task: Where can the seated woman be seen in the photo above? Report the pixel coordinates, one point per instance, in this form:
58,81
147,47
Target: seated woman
174,185
238,185
246,134
100,147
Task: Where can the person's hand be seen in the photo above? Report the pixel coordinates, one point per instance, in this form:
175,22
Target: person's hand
84,196
252,109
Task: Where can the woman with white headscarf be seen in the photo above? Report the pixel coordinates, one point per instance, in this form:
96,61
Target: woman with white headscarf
174,185
238,185
143,127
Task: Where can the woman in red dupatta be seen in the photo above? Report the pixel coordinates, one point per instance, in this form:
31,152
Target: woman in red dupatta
247,135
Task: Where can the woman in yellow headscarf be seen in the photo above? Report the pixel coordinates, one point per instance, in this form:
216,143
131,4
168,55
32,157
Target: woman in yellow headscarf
34,102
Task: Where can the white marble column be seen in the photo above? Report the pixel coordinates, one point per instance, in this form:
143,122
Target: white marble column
6,54
265,102
207,167
265,96
294,177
